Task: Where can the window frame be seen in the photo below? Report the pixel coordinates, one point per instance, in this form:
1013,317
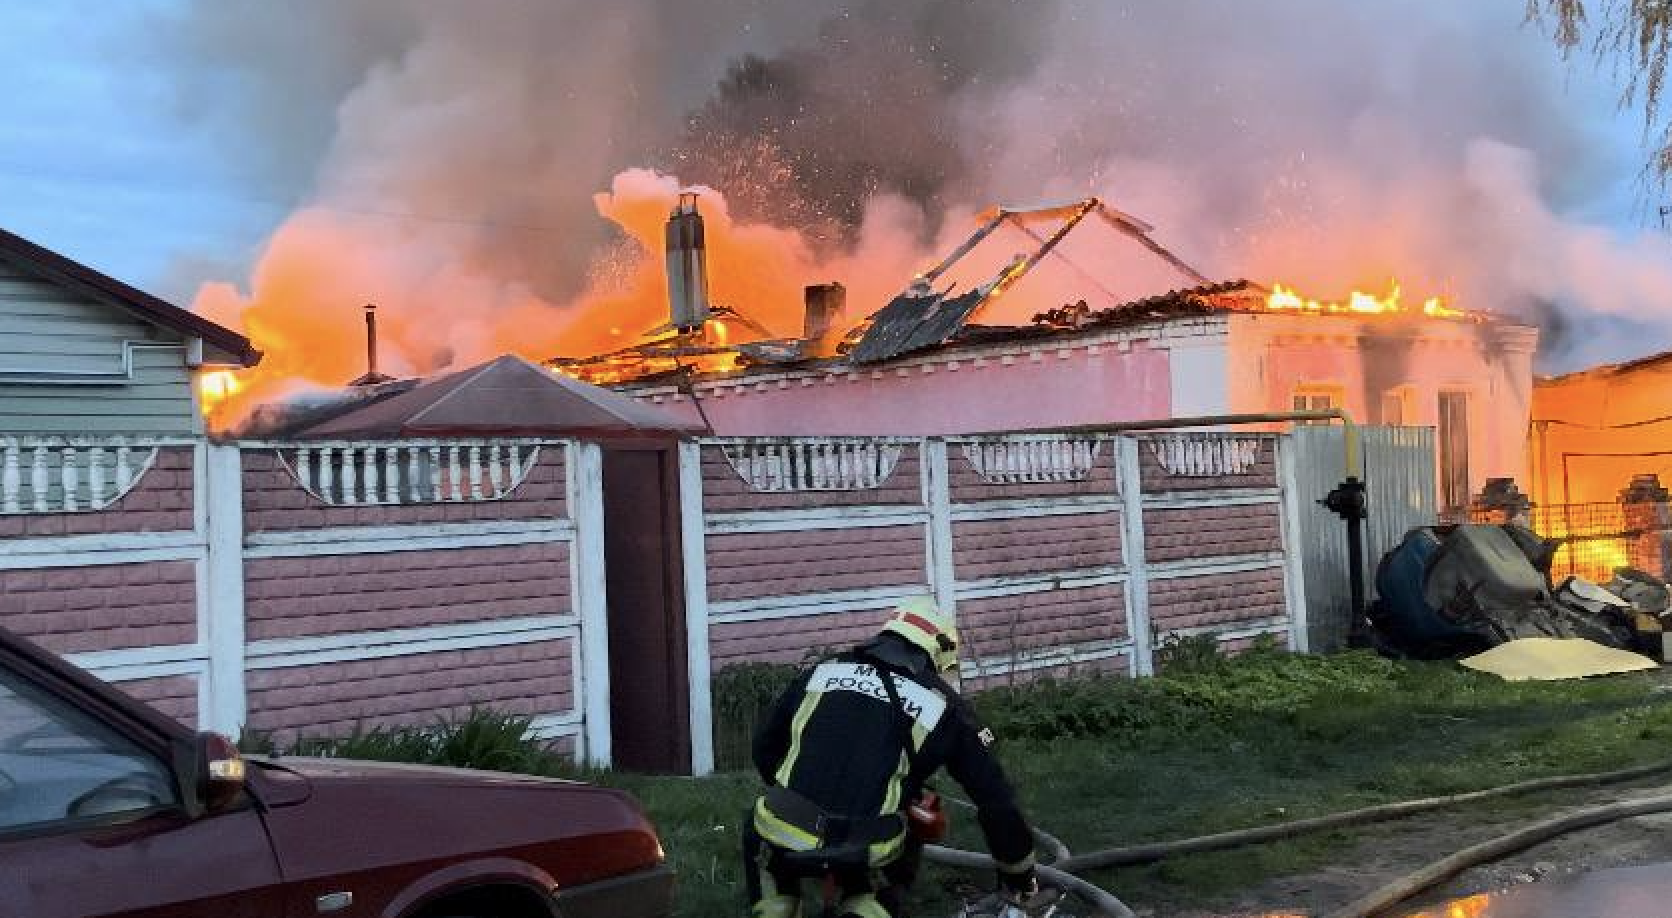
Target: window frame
1404,397
1333,394
1444,477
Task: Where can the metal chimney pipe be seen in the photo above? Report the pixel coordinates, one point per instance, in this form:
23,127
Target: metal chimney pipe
371,341
687,254
825,305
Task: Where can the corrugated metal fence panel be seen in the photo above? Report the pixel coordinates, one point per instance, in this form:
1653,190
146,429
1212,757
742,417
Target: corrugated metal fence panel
1399,472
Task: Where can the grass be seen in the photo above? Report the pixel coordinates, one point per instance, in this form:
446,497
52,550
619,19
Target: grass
1207,746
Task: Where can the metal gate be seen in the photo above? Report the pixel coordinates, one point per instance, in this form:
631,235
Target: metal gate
1399,473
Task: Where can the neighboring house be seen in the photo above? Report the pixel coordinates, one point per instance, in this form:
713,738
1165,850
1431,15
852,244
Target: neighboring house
1210,350
1594,431
83,353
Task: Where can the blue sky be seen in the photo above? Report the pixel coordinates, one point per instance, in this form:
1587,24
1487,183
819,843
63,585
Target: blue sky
99,158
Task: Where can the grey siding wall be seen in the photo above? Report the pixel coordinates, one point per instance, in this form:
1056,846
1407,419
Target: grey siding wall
65,365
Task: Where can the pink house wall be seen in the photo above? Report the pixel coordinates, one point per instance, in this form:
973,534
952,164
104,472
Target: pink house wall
102,603
1273,356
948,394
1007,624
161,501
175,696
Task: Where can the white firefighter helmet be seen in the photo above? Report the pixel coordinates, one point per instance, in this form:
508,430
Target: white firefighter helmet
920,621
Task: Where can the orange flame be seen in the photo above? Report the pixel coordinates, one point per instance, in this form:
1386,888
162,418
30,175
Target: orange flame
1470,907
1284,299
441,310
1594,559
214,388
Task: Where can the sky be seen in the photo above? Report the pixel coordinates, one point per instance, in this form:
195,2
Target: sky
104,158
99,161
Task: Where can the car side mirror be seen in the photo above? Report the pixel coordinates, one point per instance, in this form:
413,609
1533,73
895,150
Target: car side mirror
220,772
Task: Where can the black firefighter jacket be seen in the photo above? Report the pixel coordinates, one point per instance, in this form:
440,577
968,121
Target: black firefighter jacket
835,740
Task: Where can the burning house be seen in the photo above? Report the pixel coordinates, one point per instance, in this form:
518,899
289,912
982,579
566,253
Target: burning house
1595,431
1070,331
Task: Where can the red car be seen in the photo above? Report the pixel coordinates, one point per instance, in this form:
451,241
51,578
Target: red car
107,808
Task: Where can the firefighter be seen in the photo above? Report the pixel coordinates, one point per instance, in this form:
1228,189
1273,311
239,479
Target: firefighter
846,751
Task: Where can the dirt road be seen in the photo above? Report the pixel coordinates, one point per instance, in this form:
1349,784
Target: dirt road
1373,856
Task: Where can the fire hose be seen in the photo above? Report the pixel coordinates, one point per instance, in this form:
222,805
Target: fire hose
1390,895
1106,903
1060,871
1158,851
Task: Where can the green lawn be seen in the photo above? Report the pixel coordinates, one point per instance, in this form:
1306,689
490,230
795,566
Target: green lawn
1225,744
1209,745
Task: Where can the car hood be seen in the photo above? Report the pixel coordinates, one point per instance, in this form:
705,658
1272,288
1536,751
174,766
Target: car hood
329,769
329,816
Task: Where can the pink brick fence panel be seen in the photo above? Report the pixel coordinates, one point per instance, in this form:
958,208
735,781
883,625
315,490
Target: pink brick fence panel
331,699
215,582
1062,554
439,576
101,546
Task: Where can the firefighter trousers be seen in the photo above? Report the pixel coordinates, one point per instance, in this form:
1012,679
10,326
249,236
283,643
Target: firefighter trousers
775,886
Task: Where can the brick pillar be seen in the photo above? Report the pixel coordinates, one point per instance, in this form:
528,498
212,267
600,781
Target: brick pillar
1500,502
1647,508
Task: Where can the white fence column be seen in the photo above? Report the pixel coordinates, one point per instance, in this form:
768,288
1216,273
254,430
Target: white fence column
1129,478
1294,576
694,562
937,499
591,606
221,611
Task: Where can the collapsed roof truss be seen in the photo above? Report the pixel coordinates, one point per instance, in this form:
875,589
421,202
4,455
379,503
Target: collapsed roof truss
920,317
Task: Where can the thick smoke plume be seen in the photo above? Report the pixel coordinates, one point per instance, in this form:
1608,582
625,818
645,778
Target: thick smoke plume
494,174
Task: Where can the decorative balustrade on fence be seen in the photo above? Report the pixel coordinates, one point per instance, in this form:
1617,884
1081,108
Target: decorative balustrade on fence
300,588
72,474
310,589
1060,554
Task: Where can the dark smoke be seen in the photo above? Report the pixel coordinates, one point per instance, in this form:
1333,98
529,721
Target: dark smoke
806,137
452,149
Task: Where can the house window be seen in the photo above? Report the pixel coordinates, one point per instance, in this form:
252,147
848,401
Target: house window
1454,451
1316,398
1393,408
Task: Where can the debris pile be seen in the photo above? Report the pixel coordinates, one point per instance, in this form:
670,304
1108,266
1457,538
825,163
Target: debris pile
1453,591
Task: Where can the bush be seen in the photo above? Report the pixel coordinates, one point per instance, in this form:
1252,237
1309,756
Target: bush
1189,653
741,697
1193,692
482,738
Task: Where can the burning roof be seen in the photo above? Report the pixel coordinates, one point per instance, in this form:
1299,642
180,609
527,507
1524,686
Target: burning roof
921,317
721,342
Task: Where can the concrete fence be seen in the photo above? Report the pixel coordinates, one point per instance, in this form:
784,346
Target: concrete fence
1060,554
306,589
309,589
